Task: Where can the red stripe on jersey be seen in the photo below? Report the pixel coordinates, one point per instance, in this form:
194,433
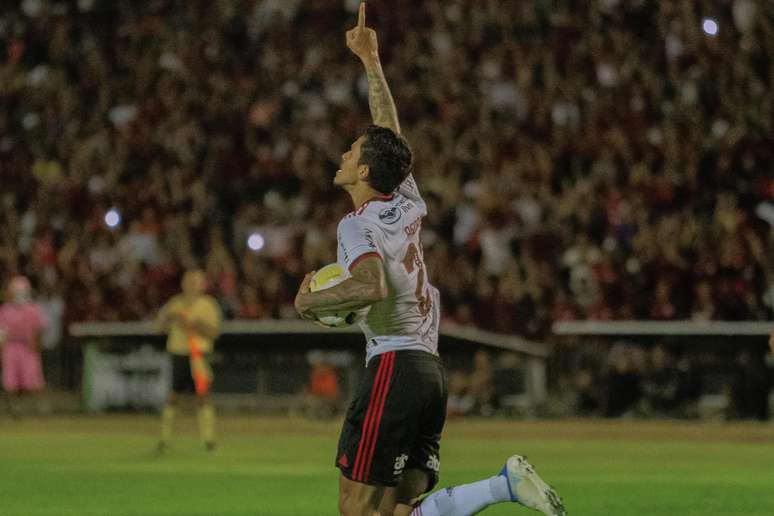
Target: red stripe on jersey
363,257
390,358
372,403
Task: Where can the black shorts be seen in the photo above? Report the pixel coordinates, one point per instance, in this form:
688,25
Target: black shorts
182,378
396,419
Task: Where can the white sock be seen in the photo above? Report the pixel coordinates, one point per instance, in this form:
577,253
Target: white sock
466,499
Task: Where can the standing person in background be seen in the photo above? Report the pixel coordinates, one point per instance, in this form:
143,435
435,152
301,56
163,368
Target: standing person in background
192,321
21,325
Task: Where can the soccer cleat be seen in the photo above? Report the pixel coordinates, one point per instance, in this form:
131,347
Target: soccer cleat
527,488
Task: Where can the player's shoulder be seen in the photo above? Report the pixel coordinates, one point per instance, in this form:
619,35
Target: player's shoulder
367,214
385,212
391,215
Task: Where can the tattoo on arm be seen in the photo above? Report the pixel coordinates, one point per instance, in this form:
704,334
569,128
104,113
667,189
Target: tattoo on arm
380,101
366,286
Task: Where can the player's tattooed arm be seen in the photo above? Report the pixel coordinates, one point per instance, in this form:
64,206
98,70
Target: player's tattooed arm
366,286
363,43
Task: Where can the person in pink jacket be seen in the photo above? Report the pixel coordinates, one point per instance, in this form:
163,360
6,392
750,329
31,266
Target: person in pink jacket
21,325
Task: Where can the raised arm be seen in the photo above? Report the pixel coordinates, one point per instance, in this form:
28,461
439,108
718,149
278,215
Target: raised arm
363,43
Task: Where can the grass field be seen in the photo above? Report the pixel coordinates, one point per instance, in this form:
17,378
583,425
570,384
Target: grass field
82,466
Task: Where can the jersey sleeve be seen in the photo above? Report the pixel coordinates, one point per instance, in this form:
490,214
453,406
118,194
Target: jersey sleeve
358,239
408,188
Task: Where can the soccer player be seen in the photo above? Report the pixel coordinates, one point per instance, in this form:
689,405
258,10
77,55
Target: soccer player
193,321
21,325
389,443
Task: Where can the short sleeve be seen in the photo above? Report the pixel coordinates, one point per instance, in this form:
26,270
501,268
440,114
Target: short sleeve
357,240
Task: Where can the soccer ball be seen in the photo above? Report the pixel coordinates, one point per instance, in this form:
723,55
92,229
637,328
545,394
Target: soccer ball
327,277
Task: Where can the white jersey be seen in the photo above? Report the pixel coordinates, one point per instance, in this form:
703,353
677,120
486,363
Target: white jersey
388,226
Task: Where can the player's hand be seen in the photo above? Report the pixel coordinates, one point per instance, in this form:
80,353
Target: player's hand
361,40
301,307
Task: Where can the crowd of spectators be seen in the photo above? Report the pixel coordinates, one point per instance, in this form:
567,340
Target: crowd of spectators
604,160
625,379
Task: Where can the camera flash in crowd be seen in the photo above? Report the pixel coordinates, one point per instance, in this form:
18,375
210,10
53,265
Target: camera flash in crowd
710,26
112,218
255,242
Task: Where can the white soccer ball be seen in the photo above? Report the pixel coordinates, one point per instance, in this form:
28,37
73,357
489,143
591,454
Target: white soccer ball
327,277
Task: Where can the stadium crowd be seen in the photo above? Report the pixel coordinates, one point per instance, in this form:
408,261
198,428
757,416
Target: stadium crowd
574,155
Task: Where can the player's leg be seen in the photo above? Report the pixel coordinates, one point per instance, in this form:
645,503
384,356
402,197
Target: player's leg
181,382
371,439
358,499
424,405
423,465
401,499
32,379
206,418
11,379
516,482
201,373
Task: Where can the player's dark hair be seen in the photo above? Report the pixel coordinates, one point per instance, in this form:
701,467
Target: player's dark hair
388,157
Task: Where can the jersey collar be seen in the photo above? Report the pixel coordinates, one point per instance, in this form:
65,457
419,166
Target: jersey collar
374,198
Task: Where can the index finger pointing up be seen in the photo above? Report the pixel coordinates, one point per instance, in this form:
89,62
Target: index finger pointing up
361,16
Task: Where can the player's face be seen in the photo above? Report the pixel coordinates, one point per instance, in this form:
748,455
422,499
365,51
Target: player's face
349,172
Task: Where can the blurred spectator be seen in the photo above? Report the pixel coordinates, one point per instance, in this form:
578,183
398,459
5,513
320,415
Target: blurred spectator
751,386
587,394
481,384
323,396
460,401
22,323
661,384
624,383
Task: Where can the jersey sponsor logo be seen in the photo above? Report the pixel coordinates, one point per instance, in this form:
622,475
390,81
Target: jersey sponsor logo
400,464
390,215
433,463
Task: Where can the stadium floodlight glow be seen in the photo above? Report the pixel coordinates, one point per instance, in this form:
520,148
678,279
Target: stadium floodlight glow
255,242
709,26
112,218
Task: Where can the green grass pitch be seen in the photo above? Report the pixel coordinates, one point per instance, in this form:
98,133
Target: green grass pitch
84,466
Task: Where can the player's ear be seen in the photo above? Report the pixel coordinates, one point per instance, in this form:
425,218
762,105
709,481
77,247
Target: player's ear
362,172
